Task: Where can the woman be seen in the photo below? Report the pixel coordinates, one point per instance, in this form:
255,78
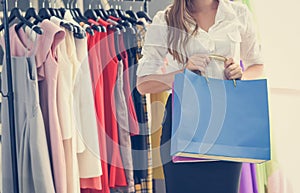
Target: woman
186,33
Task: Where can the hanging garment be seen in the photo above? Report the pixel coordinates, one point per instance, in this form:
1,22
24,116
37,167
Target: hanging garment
84,107
126,42
65,106
109,62
97,184
76,66
89,160
248,183
75,145
133,121
47,68
123,128
34,169
145,139
139,142
158,102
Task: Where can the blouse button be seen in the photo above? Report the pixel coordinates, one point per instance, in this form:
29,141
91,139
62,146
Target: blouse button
212,46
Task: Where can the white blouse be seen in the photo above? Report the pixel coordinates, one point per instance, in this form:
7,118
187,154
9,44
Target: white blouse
232,35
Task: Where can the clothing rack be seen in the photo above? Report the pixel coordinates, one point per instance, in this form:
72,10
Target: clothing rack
10,92
10,97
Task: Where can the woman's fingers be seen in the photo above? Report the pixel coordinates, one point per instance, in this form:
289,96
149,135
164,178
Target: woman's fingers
228,62
235,74
192,66
233,71
198,62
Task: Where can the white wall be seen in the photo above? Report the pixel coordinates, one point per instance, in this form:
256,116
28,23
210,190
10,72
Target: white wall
280,34
279,28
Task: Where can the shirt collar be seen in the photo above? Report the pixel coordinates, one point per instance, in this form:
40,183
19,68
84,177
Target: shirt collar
225,11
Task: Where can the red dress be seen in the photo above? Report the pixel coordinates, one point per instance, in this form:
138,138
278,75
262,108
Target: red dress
97,184
110,67
112,166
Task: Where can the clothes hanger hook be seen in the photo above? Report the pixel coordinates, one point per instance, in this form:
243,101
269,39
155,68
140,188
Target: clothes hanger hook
90,4
99,5
75,4
71,4
16,3
68,4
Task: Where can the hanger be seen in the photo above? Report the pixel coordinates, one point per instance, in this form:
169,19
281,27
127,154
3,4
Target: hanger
101,12
91,14
113,12
62,11
130,20
54,11
78,33
30,13
76,13
44,13
124,23
73,13
59,13
51,10
133,16
143,14
17,14
116,24
79,16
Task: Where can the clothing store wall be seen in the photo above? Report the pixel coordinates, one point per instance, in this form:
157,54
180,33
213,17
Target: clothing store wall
279,29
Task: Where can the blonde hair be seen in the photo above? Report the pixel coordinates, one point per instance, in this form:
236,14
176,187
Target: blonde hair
179,20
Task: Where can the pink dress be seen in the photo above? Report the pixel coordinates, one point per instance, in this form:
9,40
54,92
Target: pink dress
47,67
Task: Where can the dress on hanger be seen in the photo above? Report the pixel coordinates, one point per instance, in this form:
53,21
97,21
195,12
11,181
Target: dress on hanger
109,63
47,68
85,113
65,106
34,168
96,183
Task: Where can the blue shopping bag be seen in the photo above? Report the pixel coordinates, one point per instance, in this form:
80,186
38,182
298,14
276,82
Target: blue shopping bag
220,119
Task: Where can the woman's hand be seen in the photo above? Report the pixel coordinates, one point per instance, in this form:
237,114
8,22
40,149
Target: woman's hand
197,62
232,70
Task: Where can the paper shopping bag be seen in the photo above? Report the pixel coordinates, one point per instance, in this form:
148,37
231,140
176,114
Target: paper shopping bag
220,119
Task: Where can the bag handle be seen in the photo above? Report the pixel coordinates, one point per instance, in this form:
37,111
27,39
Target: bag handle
222,59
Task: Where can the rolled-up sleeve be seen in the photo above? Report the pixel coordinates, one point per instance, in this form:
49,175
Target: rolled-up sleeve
155,48
250,45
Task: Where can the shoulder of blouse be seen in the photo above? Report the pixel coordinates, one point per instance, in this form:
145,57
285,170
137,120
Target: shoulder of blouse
160,18
240,9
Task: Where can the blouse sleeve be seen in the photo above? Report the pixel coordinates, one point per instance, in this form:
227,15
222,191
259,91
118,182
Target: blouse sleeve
155,47
250,46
